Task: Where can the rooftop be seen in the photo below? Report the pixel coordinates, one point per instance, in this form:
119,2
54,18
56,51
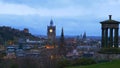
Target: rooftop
110,21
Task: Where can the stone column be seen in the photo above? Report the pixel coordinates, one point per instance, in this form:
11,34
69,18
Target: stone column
106,37
111,37
116,38
103,37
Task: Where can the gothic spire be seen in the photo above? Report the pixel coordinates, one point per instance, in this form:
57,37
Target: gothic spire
62,37
51,22
62,33
84,35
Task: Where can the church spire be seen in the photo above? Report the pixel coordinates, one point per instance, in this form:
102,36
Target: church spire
84,35
62,33
62,37
51,22
62,49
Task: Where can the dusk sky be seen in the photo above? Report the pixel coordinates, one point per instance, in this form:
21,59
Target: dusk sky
75,16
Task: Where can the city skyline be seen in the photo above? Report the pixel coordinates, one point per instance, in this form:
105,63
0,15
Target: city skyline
76,17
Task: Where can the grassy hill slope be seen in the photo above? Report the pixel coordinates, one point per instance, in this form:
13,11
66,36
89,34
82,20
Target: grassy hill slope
113,64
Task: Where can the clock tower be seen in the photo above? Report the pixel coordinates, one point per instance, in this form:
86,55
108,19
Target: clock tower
51,31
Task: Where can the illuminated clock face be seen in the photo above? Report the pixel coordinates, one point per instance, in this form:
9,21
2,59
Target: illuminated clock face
51,30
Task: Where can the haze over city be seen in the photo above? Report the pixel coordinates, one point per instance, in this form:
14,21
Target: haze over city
75,16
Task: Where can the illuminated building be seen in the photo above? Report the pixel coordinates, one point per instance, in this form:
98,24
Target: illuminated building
51,32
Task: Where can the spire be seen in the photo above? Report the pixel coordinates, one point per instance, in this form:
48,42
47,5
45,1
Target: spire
51,22
62,33
84,35
62,48
62,37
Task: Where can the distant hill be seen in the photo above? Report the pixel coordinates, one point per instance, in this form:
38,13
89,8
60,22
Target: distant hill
8,33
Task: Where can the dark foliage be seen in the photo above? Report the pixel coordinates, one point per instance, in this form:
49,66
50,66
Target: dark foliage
83,61
110,51
63,63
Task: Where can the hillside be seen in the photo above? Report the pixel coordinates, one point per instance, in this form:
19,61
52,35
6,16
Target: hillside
113,64
8,33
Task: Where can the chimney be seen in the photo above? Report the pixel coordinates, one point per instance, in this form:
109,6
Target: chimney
110,17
